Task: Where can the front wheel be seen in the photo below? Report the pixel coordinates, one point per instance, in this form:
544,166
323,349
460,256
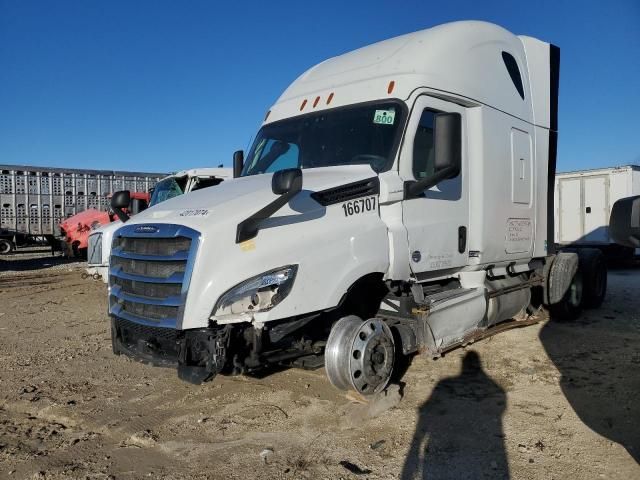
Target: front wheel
360,355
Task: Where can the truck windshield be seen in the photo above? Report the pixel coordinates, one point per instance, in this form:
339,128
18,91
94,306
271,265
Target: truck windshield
168,188
355,135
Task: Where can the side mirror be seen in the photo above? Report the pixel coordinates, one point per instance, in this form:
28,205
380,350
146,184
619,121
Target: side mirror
120,200
448,143
286,181
448,154
137,205
238,163
624,225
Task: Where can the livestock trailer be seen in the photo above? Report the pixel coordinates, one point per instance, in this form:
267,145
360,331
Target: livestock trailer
34,200
584,200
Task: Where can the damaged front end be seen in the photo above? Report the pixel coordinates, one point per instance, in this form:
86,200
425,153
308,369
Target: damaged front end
149,274
199,354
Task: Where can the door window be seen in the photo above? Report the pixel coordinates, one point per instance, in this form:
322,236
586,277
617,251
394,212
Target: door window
424,146
424,150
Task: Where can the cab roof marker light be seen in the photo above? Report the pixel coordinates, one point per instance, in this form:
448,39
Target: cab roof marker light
329,98
304,104
267,115
315,102
392,84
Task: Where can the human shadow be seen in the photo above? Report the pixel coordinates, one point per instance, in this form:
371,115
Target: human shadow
459,432
599,363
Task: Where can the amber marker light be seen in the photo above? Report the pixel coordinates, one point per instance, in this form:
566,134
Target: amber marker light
329,98
304,103
267,116
392,84
315,102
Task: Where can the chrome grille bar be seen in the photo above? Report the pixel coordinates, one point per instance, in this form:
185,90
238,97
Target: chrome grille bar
149,273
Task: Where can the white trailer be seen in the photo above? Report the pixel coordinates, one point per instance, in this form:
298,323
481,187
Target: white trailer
584,200
397,199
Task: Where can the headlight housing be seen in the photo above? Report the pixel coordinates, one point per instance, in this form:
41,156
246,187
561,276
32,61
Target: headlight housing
257,294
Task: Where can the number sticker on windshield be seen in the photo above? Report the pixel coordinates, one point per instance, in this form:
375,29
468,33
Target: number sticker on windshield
359,205
384,117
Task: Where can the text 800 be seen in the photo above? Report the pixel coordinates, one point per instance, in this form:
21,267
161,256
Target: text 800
360,205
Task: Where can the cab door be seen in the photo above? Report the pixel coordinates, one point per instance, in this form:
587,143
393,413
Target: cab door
437,219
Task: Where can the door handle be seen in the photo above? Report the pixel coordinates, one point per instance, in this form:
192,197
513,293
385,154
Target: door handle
462,239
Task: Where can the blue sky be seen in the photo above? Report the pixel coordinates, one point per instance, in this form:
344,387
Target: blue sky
163,85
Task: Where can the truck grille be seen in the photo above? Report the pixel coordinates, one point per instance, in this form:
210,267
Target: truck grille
152,290
94,249
149,273
153,246
148,268
144,310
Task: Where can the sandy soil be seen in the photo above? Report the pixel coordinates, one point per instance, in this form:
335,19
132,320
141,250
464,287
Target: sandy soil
546,401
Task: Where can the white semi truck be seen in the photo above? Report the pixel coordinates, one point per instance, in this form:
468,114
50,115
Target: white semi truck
179,183
397,199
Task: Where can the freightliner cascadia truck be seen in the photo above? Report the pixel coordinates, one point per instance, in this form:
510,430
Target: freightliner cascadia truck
179,183
396,199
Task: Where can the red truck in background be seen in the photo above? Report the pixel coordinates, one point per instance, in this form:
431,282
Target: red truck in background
75,230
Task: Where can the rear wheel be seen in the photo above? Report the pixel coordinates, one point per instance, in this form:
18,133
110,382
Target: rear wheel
570,307
5,246
360,355
594,277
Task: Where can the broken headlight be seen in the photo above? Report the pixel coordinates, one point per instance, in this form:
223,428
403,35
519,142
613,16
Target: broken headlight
258,294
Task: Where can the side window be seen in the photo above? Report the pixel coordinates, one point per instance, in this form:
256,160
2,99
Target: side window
424,146
514,72
424,152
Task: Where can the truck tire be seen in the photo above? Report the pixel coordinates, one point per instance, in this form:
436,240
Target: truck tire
360,355
565,287
594,277
6,246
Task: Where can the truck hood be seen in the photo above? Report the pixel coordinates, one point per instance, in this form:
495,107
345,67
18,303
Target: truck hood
84,220
238,198
108,228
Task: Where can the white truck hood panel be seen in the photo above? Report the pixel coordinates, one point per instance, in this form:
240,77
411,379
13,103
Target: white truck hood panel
332,250
241,197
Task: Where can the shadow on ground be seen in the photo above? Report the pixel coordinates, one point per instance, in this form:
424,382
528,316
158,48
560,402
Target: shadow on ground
15,263
459,432
600,371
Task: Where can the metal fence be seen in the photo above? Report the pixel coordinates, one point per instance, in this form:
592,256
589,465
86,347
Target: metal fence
34,200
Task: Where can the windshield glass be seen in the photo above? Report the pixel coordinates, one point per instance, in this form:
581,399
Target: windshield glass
168,188
355,135
205,182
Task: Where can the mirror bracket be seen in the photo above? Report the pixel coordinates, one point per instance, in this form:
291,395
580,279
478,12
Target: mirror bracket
287,184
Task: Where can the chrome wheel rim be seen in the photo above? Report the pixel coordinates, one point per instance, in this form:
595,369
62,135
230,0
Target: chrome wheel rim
360,355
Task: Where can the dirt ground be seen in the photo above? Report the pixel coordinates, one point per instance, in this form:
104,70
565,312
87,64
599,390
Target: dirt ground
548,401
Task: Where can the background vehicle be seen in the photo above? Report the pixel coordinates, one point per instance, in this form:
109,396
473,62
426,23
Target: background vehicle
34,200
10,240
625,222
99,242
75,230
584,201
397,199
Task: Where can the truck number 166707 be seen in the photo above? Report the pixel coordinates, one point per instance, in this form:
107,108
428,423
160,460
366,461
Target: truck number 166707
359,205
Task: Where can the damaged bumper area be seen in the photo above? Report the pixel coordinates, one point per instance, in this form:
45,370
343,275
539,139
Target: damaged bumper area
198,355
